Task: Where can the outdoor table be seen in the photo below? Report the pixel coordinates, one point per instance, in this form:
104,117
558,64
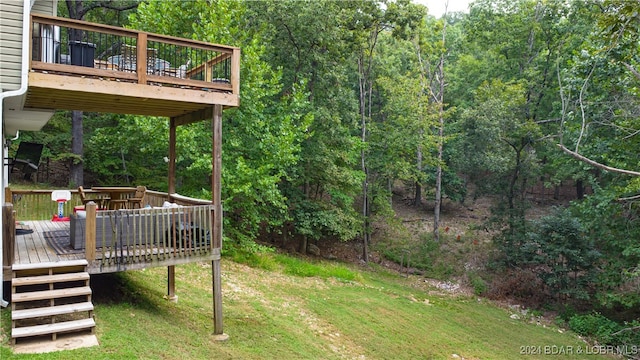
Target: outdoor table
117,194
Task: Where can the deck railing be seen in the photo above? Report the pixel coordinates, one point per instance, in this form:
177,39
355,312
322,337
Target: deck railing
74,47
125,238
169,229
37,204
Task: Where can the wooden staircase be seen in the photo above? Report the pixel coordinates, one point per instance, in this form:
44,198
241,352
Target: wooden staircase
50,299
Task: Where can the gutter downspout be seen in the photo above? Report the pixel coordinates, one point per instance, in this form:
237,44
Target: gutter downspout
24,78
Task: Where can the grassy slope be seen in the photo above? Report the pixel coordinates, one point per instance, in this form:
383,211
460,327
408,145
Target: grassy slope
270,314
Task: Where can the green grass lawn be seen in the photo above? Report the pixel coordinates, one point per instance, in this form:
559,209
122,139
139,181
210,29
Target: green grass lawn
319,311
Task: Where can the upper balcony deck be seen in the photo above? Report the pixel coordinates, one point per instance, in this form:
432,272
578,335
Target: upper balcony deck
77,65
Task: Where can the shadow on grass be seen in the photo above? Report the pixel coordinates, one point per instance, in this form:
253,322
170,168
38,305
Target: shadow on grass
114,288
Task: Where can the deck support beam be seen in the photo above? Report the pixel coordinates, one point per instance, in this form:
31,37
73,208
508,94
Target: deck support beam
216,197
171,284
90,234
171,270
172,156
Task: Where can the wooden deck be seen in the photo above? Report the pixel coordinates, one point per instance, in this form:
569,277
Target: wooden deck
33,248
120,76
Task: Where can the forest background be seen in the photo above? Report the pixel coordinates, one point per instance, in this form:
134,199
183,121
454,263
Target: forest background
346,102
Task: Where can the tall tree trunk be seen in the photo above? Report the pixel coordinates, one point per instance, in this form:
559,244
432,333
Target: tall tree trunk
580,189
76,173
365,183
440,100
77,11
417,200
76,169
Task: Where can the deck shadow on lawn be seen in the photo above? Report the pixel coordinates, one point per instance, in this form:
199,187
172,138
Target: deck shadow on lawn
117,288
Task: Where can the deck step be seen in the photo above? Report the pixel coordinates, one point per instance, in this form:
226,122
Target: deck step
35,310
61,327
50,294
51,311
47,279
50,265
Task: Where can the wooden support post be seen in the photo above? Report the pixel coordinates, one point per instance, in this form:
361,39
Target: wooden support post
172,156
171,270
216,176
141,58
8,236
171,283
90,237
8,195
216,179
235,72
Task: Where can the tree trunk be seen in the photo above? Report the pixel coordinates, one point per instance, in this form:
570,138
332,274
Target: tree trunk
580,189
77,10
76,174
363,163
438,195
303,245
417,200
76,169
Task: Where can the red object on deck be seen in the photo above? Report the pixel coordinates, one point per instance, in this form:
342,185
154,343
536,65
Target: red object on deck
56,218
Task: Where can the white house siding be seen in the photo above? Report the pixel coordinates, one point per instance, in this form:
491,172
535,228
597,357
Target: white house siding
10,44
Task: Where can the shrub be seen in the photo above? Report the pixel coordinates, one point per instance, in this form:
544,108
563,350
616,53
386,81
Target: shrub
480,286
595,326
519,284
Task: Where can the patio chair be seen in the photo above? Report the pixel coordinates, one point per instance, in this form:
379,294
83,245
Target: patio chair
27,159
138,197
101,202
179,72
129,56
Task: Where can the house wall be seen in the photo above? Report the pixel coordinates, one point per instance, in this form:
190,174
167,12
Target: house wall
11,38
45,7
10,44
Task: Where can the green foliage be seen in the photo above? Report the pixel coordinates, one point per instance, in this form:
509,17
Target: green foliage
479,285
615,239
604,330
261,139
565,259
516,72
132,151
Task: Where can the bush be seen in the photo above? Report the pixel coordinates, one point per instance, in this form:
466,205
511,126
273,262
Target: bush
596,326
480,286
522,285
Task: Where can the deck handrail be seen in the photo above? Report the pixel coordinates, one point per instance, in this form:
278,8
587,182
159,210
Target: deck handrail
148,41
37,204
185,200
124,237
159,234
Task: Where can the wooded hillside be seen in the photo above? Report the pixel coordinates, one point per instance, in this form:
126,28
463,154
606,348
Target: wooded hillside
343,101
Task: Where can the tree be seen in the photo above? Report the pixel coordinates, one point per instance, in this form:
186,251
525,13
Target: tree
563,257
262,139
501,158
78,9
600,130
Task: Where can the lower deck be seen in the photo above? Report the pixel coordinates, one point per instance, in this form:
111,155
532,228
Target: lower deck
46,241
